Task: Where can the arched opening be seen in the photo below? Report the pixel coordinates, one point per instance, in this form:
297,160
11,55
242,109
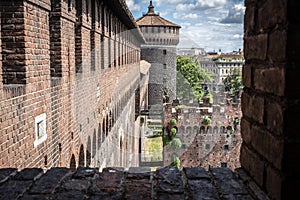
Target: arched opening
216,130
222,129
103,130
88,152
202,130
94,149
81,157
181,130
195,130
73,163
99,136
188,130
209,130
121,152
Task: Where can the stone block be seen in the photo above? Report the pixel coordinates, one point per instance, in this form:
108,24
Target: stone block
268,146
270,80
256,47
253,164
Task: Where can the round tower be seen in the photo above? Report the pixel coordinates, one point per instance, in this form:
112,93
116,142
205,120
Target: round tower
162,37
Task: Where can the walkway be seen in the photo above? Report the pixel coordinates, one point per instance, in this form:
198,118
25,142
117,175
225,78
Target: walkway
135,184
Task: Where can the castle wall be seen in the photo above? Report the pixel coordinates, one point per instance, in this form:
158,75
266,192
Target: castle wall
69,81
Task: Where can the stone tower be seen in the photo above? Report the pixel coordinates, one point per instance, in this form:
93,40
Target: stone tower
162,37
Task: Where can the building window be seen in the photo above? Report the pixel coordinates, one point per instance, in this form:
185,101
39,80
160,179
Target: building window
223,164
69,6
207,146
40,129
226,147
165,66
165,52
164,81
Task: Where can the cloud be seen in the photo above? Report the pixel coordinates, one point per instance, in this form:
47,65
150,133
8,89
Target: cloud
205,4
185,16
175,1
200,5
132,6
185,7
235,15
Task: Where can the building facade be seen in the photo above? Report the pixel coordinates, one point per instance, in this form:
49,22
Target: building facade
69,84
162,37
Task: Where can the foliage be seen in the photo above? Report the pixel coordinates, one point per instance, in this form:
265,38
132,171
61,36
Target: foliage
153,147
142,120
190,76
173,132
206,120
233,82
175,161
176,143
173,122
210,97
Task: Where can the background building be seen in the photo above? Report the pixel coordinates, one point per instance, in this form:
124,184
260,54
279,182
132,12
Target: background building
161,37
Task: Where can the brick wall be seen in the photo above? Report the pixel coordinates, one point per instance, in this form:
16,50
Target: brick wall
88,111
270,100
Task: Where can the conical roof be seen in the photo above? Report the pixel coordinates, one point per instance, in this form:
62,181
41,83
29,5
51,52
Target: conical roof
153,19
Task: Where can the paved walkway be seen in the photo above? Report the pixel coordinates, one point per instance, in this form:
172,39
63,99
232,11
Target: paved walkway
136,184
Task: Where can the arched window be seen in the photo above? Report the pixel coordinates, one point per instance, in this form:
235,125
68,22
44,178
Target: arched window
81,157
88,152
73,163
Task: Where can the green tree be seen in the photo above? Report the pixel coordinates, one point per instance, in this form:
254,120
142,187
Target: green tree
190,76
233,82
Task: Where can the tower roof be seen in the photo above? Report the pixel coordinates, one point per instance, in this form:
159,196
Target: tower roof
153,19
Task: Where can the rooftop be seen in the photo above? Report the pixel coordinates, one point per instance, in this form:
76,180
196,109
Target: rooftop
153,19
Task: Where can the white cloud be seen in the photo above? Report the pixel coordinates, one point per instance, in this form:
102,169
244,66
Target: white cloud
132,6
204,4
185,16
185,7
235,14
175,1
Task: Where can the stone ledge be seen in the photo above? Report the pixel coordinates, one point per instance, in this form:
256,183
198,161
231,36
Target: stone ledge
136,183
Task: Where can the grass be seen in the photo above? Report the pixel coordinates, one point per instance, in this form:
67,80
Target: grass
154,148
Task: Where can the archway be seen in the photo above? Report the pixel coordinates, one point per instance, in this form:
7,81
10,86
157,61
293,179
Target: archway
73,163
81,157
88,152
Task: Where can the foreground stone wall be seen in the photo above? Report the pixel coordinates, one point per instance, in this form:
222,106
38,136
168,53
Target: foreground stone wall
270,101
137,183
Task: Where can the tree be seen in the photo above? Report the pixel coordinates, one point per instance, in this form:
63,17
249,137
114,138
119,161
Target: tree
190,76
233,82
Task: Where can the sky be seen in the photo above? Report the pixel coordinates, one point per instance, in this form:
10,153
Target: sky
208,24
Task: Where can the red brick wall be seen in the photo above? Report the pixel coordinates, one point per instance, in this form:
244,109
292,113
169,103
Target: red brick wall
74,111
270,101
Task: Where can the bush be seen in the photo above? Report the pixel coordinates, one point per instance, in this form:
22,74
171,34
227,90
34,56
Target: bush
176,143
173,132
173,122
175,161
206,120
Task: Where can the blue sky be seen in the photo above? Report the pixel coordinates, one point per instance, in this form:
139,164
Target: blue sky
210,24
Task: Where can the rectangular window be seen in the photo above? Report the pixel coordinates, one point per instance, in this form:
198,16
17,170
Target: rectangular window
40,129
207,146
165,66
226,147
164,81
165,52
223,164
